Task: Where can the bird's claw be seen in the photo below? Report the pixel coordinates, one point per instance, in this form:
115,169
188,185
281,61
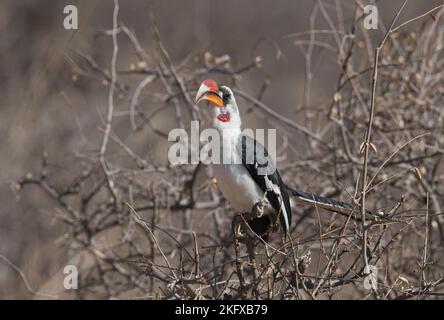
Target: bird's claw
240,229
258,208
236,224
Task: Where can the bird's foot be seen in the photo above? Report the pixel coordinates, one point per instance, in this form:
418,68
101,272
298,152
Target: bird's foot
236,225
241,230
258,209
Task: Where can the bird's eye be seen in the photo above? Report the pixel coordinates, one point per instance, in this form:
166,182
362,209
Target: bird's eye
226,96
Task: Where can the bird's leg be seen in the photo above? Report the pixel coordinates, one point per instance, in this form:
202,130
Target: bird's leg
236,226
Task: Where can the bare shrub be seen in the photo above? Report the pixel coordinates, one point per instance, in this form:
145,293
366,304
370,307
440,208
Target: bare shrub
145,229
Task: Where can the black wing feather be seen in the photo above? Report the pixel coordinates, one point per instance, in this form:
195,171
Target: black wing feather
261,159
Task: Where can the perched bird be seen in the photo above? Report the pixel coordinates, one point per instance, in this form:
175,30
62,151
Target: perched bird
241,181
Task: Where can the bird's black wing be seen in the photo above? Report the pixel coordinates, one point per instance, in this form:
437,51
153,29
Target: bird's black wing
259,164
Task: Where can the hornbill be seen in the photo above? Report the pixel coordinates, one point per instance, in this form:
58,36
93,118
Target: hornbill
241,182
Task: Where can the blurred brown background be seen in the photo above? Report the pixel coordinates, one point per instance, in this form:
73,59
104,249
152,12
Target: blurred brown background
43,109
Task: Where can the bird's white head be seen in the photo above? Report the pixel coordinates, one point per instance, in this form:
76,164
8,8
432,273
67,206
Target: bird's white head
224,112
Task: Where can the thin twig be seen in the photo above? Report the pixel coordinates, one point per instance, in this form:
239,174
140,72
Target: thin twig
368,137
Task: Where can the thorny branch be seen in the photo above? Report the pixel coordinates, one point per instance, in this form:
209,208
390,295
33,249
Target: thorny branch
150,229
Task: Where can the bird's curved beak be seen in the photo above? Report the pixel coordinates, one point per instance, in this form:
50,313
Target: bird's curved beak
209,90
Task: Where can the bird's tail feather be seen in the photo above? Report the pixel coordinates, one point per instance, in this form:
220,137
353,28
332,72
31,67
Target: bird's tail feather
330,204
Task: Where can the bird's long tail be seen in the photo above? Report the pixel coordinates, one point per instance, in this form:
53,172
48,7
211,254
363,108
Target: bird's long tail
340,207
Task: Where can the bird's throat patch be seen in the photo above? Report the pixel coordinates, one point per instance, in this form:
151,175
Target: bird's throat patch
224,117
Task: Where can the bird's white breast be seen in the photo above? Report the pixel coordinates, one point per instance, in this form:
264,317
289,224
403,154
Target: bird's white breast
235,181
237,186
